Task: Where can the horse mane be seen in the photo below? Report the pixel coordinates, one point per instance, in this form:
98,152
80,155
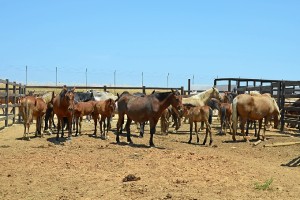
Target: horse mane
161,95
203,95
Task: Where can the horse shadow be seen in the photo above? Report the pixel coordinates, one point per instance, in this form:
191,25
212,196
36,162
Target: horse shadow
134,145
293,163
193,143
239,141
59,142
26,139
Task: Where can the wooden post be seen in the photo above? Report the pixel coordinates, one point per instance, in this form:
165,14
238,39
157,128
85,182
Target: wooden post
282,106
20,92
104,88
144,89
14,102
6,102
229,85
189,86
182,90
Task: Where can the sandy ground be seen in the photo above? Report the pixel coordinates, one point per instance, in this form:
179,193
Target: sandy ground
92,168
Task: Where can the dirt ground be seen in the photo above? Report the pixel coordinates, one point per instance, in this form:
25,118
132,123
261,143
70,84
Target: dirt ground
92,168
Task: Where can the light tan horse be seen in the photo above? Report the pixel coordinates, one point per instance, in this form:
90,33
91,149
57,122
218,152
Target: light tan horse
202,98
256,107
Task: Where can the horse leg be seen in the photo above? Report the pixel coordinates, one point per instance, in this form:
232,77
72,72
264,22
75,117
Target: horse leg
80,125
196,132
265,128
119,126
191,132
95,125
127,126
152,131
59,121
243,122
70,122
76,123
142,126
101,127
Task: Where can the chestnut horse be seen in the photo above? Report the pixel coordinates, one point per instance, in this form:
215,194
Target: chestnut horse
142,109
32,107
81,109
63,105
105,109
254,108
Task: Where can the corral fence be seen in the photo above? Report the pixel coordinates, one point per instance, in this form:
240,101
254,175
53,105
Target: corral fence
285,92
9,93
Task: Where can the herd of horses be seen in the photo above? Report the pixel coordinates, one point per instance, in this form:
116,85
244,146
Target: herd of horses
70,107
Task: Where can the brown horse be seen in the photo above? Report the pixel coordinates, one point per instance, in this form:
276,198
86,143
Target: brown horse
81,109
142,109
225,113
63,105
199,114
254,108
105,109
30,108
165,120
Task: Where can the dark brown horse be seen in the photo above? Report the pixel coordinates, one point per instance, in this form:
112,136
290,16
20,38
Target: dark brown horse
105,110
63,105
142,109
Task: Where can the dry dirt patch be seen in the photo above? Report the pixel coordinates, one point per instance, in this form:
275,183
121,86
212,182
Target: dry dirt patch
92,168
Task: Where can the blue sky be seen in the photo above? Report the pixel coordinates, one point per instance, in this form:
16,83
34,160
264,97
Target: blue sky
204,39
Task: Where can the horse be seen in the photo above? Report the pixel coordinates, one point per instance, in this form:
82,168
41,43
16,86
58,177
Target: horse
105,108
199,114
49,115
63,105
142,124
81,109
225,112
257,107
202,98
165,120
30,108
141,109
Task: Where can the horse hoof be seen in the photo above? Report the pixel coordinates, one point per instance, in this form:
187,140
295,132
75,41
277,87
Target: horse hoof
152,145
189,142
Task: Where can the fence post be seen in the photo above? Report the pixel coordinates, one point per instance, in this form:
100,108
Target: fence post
20,92
14,102
144,89
6,102
282,106
104,87
182,90
189,86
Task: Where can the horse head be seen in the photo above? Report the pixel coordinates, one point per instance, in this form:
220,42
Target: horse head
68,96
215,93
176,101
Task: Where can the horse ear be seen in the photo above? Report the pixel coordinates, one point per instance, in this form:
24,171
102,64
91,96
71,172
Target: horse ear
153,92
73,89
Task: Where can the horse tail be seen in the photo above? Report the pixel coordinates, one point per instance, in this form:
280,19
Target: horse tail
223,114
210,116
234,115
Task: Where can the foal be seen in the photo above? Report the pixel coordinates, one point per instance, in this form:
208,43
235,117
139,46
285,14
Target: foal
199,114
